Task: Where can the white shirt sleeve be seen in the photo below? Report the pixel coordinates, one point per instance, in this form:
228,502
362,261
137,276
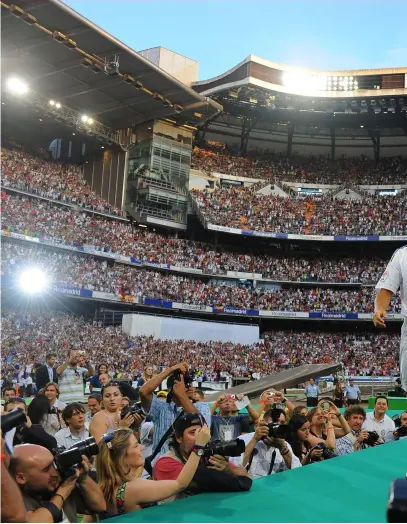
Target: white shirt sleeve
392,277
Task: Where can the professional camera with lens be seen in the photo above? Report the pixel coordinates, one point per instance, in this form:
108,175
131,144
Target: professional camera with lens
135,409
278,430
326,452
13,419
233,448
372,438
67,461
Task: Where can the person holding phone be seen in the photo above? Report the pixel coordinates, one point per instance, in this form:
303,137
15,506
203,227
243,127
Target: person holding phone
227,426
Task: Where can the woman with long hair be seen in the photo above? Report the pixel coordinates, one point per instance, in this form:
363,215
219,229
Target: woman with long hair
148,373
298,438
95,385
108,419
118,464
38,412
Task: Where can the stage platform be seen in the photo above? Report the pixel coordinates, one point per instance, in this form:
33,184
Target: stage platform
284,379
352,488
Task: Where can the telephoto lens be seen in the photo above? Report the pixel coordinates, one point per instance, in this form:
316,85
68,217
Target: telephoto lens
11,420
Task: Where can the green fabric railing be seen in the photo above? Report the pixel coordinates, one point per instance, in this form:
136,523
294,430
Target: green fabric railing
351,488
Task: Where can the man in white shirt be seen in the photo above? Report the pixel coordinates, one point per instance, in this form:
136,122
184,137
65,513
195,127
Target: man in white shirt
378,421
266,455
393,279
76,430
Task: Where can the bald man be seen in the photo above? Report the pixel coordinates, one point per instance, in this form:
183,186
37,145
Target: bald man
46,498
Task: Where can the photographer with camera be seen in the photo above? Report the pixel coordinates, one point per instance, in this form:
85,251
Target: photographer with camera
357,438
118,466
163,414
20,428
228,426
378,421
400,432
267,452
47,497
215,473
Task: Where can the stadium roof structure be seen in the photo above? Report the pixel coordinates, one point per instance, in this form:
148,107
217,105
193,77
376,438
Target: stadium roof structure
65,57
280,93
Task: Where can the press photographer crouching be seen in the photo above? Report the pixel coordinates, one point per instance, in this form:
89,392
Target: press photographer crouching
215,473
120,463
49,494
267,451
400,432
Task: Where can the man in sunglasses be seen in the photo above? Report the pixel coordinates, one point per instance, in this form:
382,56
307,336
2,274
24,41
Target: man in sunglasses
214,474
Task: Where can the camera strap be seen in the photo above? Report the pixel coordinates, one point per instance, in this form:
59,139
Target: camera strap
165,437
273,459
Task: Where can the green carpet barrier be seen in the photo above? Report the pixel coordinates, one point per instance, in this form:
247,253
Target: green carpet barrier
351,488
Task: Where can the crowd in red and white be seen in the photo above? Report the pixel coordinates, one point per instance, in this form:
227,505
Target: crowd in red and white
49,179
90,273
27,338
246,209
318,169
49,222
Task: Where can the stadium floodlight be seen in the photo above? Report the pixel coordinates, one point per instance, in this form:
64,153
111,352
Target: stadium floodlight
303,82
90,121
33,281
51,103
17,86
57,105
84,118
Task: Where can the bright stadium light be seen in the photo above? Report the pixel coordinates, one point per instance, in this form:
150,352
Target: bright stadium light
17,86
90,121
84,118
298,81
57,105
33,281
51,103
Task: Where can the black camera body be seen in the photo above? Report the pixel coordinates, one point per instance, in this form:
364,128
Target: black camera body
278,430
372,438
176,377
13,419
326,452
402,431
135,409
67,461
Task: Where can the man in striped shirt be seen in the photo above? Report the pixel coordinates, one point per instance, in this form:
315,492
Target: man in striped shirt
163,414
71,377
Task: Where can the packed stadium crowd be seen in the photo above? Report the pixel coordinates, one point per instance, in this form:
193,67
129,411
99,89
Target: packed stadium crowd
48,357
315,169
27,338
52,223
49,179
89,273
246,209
